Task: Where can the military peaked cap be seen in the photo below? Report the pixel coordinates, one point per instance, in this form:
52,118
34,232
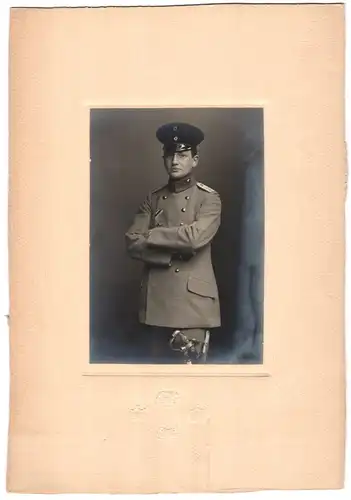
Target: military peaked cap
179,136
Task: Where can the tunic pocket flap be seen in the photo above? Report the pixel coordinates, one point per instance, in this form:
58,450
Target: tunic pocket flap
200,287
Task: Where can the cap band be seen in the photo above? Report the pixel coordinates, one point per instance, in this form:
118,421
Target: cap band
171,148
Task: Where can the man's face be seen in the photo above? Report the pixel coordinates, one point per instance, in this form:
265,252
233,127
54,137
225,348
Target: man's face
180,163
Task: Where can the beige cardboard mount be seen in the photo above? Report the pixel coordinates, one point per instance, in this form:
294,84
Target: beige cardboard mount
75,427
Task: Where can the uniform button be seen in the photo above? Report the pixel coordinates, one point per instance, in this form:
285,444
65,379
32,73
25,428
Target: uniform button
164,197
176,270
187,197
182,223
188,180
183,209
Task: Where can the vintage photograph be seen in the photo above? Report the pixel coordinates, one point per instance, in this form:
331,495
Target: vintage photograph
176,235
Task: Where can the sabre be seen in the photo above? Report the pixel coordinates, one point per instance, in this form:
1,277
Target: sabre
188,347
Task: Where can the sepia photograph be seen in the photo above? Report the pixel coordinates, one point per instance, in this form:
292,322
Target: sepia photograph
176,235
176,241
177,188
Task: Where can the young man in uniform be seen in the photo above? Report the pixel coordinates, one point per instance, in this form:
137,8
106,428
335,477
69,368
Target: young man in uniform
172,234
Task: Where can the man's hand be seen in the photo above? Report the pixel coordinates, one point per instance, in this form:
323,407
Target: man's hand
193,236
177,255
183,256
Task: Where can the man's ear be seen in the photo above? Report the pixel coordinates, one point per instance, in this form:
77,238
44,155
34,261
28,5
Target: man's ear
195,160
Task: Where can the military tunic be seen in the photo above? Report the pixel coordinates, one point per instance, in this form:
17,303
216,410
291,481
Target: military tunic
172,234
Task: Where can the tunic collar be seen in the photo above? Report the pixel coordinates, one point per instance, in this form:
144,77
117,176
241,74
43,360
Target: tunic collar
178,185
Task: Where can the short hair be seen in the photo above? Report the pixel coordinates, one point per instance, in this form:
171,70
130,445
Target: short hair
194,151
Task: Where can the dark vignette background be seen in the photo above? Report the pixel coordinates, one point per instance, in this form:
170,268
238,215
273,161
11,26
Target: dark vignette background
126,162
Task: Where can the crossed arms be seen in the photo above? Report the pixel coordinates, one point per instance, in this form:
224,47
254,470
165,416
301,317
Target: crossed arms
157,246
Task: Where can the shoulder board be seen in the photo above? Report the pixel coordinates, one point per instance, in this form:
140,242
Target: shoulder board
205,188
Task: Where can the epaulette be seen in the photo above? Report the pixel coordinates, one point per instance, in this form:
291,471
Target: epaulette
205,188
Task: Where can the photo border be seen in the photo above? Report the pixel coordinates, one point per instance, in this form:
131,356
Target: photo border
169,370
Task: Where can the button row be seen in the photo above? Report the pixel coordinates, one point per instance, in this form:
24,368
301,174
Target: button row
159,224
164,197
